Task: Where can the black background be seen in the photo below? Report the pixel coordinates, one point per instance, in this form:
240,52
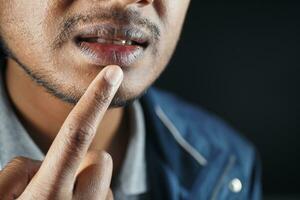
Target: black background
241,61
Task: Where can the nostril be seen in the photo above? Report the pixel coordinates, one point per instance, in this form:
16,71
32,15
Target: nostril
145,2
140,3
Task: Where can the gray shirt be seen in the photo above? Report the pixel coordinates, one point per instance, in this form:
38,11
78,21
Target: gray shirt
131,183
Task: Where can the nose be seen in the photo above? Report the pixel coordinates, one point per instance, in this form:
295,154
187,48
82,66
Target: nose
140,3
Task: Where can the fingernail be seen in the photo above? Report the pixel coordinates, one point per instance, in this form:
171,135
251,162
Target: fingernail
113,75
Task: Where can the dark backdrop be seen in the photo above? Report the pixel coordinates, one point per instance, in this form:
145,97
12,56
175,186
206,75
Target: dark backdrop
241,61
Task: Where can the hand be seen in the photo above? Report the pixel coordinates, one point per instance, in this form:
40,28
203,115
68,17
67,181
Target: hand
69,170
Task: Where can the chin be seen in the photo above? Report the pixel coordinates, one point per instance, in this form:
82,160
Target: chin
124,96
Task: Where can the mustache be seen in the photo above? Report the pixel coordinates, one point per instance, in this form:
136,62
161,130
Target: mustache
116,15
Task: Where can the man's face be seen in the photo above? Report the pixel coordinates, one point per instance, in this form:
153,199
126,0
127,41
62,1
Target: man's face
64,44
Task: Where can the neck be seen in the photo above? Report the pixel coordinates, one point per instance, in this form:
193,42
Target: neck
42,115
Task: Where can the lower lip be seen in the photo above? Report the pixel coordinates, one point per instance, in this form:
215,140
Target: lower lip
107,54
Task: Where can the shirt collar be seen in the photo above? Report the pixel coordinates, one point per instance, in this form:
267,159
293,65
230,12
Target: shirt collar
14,140
132,179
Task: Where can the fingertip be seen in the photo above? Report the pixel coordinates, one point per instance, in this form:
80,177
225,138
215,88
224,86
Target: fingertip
113,74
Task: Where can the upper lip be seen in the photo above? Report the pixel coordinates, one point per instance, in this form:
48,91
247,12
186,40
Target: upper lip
114,32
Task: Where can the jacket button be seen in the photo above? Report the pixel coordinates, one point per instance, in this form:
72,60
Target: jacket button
235,185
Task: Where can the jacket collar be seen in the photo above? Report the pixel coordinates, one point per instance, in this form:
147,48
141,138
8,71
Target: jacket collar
172,162
178,158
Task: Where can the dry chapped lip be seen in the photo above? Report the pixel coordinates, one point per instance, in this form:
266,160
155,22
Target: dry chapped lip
122,47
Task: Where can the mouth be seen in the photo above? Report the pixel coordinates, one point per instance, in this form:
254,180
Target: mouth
109,44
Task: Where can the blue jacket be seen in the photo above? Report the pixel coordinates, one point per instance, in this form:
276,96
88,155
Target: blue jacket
193,155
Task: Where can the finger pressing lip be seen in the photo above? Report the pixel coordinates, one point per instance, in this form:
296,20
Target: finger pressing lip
113,76
79,129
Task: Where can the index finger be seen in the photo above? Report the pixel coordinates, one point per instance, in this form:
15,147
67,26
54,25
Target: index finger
77,132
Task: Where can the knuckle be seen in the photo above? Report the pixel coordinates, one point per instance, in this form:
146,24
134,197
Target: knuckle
106,159
80,135
102,97
19,165
20,160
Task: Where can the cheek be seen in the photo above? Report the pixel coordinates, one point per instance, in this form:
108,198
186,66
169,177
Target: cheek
176,14
21,25
172,28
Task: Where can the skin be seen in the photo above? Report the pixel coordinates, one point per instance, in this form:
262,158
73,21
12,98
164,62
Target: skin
84,116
